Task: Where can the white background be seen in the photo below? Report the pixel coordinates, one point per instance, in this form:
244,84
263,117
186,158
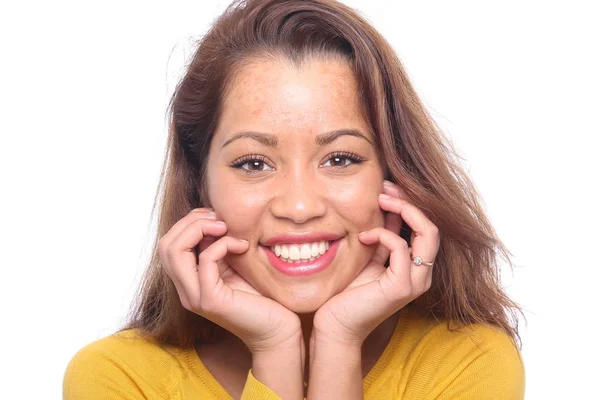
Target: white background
83,94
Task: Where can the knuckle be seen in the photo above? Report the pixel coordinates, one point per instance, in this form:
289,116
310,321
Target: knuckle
195,307
203,258
378,230
186,304
190,305
402,244
162,248
168,254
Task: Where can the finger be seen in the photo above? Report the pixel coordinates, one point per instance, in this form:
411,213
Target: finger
403,281
422,275
425,241
209,273
398,282
393,223
192,216
207,241
426,237
394,190
179,259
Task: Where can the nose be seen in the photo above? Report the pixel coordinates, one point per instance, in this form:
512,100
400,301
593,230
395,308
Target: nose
298,197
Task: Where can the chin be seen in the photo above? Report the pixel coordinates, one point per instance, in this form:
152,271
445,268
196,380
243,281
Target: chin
303,302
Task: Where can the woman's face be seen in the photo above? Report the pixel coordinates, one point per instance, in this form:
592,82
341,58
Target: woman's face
288,177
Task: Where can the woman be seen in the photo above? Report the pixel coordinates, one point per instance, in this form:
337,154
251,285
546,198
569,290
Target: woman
316,238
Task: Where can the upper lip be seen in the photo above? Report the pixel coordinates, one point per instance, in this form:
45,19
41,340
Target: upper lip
301,238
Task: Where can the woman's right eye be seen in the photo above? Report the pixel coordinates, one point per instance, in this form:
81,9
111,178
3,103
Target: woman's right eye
251,164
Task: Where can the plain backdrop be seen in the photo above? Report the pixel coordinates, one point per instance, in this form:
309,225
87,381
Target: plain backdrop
83,93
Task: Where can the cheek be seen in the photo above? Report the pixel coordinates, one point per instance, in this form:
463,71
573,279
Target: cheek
357,201
239,206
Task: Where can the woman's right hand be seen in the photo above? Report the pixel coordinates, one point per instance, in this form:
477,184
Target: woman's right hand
210,287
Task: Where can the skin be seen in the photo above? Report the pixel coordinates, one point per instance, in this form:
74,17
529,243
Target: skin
292,329
297,189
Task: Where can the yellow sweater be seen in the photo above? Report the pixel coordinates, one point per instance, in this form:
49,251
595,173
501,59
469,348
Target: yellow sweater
423,360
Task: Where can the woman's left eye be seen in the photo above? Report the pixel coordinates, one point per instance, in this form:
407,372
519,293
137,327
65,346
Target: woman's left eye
342,160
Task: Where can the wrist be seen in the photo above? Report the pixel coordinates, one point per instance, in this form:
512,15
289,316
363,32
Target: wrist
349,341
280,368
334,358
276,345
335,345
289,359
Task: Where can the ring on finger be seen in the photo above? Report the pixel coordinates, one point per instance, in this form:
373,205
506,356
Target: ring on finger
418,261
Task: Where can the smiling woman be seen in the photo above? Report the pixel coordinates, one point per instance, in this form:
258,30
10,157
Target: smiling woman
316,236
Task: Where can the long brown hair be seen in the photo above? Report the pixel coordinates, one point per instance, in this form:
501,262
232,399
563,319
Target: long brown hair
466,285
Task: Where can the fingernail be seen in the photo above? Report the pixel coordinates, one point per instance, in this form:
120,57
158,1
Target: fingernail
362,233
384,196
201,209
245,241
220,222
388,183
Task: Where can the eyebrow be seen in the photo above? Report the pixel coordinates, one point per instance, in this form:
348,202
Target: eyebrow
271,140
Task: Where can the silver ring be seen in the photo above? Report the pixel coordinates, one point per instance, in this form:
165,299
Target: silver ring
418,261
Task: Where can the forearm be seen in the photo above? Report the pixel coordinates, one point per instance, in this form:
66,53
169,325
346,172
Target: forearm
335,371
281,369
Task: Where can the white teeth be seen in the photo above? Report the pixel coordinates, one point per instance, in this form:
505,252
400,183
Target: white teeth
294,252
300,252
305,251
314,249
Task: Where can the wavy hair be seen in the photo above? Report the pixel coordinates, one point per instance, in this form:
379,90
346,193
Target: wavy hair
466,286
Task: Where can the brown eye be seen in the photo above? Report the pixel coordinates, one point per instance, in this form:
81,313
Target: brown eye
338,161
252,164
342,160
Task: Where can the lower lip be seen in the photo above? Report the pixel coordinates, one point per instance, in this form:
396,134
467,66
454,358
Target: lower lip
306,267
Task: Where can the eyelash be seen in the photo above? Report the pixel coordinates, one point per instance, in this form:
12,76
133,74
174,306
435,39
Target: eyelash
355,158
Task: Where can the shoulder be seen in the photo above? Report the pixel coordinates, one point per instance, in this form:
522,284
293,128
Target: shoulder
473,339
122,365
475,361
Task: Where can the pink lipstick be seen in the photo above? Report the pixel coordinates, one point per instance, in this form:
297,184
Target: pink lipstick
305,267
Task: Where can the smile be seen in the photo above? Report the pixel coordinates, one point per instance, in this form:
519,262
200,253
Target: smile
302,259
297,253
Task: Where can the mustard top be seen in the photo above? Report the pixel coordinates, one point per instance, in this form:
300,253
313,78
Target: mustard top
423,360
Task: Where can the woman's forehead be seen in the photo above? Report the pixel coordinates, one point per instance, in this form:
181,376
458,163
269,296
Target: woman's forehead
276,97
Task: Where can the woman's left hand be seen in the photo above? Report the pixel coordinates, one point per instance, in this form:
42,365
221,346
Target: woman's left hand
378,292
